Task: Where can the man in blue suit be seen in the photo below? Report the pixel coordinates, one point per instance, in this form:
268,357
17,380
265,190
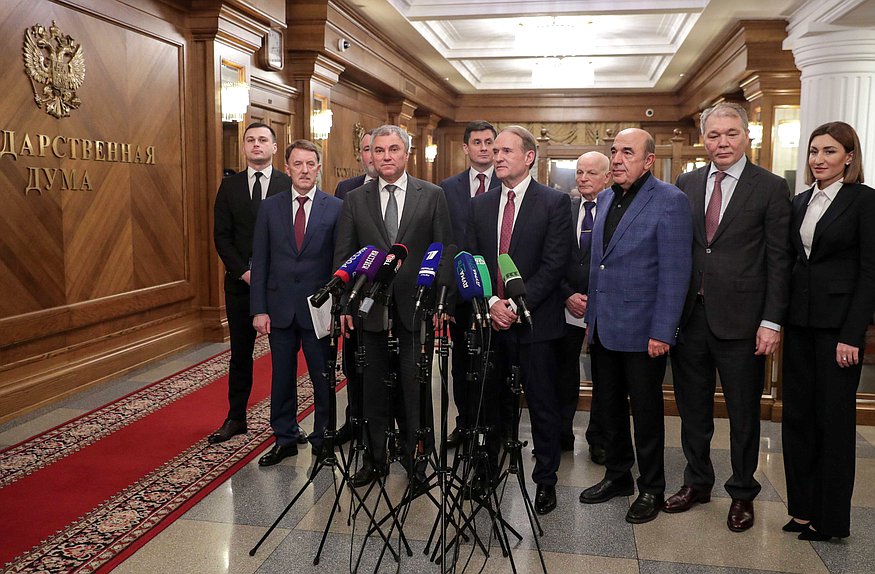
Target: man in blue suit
292,254
479,140
639,275
529,222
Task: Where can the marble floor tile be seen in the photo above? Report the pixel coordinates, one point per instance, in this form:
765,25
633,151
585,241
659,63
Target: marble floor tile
17,433
650,567
196,547
867,433
864,493
855,554
700,537
675,462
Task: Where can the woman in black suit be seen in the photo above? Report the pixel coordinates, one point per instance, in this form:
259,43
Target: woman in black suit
832,299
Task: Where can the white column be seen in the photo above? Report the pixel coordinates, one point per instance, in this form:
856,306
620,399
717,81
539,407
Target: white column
838,84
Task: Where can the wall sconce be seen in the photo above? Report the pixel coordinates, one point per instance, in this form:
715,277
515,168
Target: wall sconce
788,133
235,101
755,131
320,124
431,151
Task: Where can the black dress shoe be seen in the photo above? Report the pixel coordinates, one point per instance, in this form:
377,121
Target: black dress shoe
606,490
645,508
302,439
321,453
476,489
597,454
740,516
228,429
454,439
545,499
794,526
277,453
813,535
685,498
365,476
344,434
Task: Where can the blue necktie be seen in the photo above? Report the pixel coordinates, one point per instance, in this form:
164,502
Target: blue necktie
586,227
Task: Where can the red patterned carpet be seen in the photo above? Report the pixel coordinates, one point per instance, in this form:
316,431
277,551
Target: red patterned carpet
85,495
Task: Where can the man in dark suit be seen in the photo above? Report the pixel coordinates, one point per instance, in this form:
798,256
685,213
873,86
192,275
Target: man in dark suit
592,176
639,274
478,145
367,160
292,254
237,204
737,300
353,384
395,208
530,223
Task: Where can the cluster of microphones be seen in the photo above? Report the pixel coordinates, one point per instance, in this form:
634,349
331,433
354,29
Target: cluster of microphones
370,272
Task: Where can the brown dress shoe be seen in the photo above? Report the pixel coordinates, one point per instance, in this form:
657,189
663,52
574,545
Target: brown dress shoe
685,498
740,515
228,429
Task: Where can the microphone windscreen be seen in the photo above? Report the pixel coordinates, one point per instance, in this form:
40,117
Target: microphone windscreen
430,262
467,277
370,264
507,267
349,266
485,277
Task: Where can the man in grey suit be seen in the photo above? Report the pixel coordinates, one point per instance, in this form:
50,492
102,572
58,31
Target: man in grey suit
737,299
394,208
639,274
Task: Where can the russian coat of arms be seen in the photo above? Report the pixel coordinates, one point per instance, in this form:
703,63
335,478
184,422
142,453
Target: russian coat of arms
56,67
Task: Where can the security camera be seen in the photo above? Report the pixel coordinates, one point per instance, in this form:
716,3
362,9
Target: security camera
343,45
649,112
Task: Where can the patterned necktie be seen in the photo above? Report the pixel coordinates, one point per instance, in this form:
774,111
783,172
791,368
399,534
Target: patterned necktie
712,214
586,227
390,220
506,234
300,221
256,193
482,188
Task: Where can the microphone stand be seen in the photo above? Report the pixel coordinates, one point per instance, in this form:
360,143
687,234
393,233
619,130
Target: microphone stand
328,460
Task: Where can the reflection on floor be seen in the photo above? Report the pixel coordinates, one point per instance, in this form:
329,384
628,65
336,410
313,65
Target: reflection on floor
216,535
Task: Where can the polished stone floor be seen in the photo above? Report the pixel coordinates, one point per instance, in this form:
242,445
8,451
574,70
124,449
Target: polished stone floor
216,535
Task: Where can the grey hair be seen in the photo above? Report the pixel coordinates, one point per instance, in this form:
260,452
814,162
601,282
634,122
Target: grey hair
724,109
388,130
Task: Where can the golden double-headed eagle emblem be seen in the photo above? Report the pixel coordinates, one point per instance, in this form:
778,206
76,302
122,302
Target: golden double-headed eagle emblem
56,67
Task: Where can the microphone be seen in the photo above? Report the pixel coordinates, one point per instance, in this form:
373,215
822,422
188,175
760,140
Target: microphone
340,278
366,270
384,276
514,287
486,281
445,280
468,280
427,272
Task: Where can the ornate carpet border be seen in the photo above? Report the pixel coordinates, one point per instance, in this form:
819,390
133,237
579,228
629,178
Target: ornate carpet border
96,538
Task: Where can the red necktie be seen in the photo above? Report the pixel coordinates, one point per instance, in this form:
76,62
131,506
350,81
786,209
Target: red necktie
506,234
712,213
300,221
482,188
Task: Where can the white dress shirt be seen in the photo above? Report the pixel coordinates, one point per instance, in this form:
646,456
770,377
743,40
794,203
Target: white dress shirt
727,186
308,205
400,194
474,181
265,181
820,201
581,213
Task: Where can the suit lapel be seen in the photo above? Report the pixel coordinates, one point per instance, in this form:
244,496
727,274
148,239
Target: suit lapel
605,200
843,200
372,198
274,186
697,201
641,199
528,204
575,244
411,204
743,190
800,206
490,243
494,182
317,212
285,213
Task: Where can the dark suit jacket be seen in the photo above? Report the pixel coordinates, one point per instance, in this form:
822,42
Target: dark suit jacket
576,278
282,276
348,185
424,220
234,221
746,268
458,191
834,288
540,247
638,283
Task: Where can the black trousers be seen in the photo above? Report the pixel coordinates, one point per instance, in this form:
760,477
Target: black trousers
242,336
696,360
569,379
638,377
353,379
461,392
382,404
818,429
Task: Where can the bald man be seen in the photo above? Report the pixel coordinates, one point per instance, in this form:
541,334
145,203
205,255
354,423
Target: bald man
592,176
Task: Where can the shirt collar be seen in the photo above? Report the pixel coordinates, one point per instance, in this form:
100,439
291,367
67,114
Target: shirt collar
734,170
472,175
311,194
250,172
519,189
829,191
401,183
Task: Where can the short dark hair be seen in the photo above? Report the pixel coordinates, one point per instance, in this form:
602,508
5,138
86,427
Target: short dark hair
304,145
847,137
254,125
478,126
